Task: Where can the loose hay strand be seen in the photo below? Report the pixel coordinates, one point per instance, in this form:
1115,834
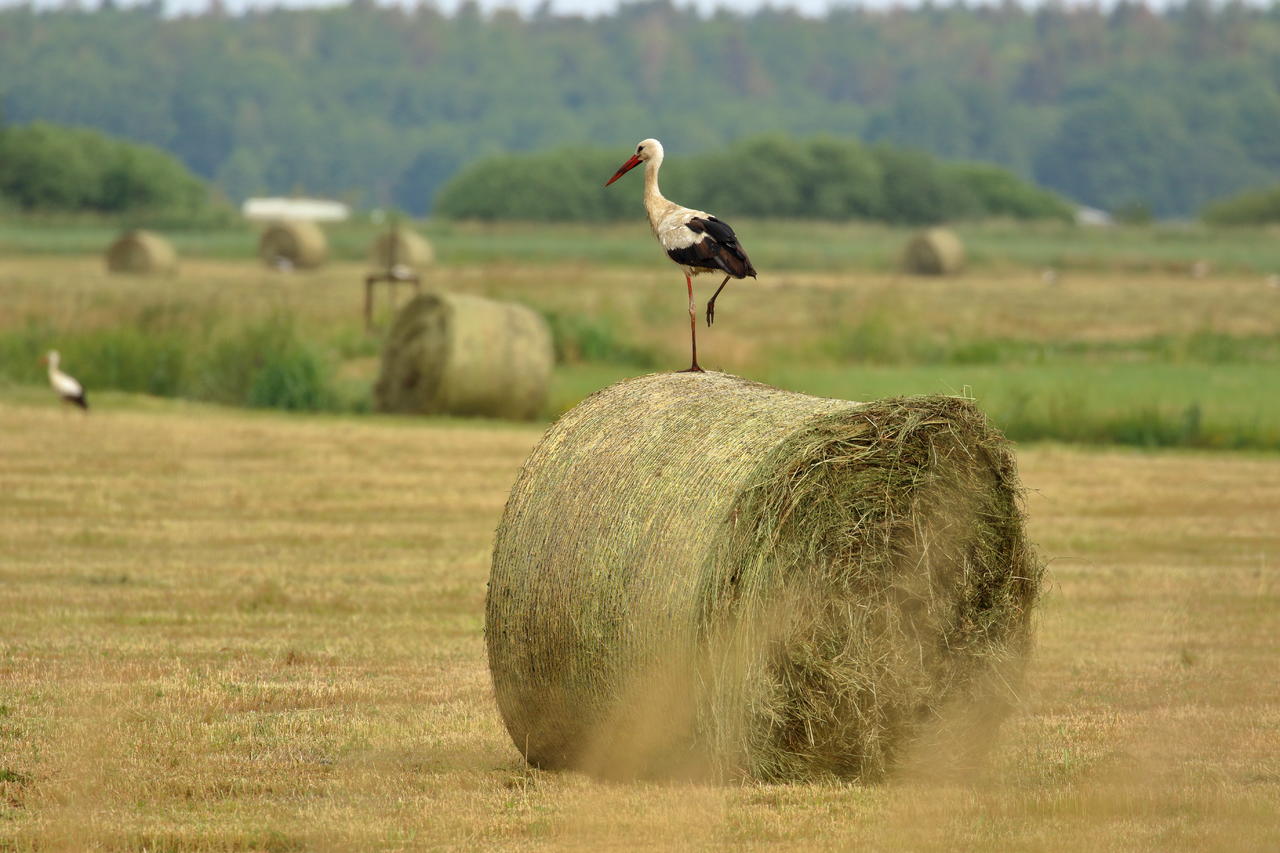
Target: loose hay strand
791,587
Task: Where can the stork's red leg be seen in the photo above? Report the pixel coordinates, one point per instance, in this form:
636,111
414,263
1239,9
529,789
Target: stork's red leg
711,306
693,328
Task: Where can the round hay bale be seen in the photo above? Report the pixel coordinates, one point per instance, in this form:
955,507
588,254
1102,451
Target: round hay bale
935,251
402,247
293,245
142,253
697,575
465,355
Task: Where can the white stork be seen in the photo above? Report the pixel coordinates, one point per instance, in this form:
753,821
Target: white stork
68,388
695,241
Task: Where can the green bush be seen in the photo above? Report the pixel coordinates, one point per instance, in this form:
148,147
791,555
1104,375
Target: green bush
293,379
765,176
1257,207
554,186
1000,193
50,168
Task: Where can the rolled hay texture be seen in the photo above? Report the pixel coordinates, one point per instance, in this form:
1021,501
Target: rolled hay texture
465,355
402,247
697,575
142,253
934,251
302,244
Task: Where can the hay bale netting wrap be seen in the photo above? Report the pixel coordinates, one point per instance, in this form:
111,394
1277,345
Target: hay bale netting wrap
455,354
142,253
408,248
697,574
935,251
302,244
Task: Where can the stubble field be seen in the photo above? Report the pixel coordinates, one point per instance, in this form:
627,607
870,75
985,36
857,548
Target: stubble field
235,631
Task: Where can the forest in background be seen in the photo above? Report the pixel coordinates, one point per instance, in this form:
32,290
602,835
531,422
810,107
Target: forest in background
762,176
1110,107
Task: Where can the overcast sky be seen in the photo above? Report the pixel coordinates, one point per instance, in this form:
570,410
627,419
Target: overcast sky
812,7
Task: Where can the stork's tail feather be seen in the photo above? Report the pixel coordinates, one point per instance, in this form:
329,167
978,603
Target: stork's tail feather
80,401
734,261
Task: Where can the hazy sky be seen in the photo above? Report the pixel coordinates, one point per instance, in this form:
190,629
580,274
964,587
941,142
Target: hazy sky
573,6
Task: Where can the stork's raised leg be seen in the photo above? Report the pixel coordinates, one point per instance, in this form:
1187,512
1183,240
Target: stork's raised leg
693,328
711,306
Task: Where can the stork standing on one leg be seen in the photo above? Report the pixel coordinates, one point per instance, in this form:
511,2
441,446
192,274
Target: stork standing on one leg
68,388
695,241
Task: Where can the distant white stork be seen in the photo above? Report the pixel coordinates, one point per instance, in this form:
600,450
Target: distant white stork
695,241
68,388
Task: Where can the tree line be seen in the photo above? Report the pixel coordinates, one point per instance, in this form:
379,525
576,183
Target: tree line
49,168
764,176
1108,105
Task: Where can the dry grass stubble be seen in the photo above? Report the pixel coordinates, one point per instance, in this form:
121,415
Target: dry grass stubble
229,631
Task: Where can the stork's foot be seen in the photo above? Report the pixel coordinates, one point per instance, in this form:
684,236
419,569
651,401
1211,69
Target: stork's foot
692,369
711,312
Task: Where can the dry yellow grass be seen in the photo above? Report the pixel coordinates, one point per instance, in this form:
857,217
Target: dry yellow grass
230,631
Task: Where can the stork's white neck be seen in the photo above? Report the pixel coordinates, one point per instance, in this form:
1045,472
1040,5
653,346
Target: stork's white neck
655,204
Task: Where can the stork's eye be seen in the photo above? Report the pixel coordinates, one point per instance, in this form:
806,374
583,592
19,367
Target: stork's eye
639,149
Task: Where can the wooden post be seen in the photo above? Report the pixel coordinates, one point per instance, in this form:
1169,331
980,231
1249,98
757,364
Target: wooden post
393,278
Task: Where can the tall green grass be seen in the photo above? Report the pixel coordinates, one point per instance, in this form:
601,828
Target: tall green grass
886,337
579,338
1229,405
1203,389
172,351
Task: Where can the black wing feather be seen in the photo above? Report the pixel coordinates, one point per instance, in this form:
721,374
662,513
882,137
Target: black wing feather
719,250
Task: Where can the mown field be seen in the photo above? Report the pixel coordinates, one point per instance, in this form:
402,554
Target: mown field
230,630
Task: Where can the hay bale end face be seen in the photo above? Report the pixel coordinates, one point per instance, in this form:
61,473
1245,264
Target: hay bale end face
697,575
402,247
465,355
293,245
935,251
139,252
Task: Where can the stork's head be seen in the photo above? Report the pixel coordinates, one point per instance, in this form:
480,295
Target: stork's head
648,149
50,358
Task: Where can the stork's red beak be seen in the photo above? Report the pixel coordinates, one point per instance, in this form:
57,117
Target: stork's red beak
626,167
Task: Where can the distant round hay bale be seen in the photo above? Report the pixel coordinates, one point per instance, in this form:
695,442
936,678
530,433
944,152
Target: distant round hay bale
697,575
296,245
142,252
464,355
935,251
402,247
